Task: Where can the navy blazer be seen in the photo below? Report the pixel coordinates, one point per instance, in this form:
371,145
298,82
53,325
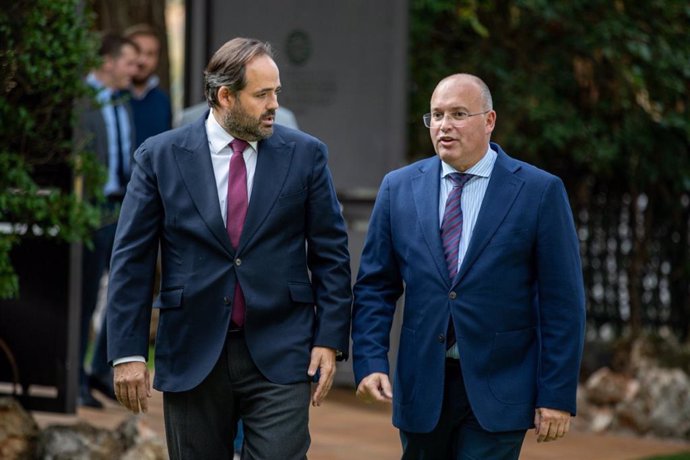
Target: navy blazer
292,260
517,303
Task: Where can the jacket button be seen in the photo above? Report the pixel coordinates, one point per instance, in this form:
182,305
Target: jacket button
441,338
452,295
238,261
227,300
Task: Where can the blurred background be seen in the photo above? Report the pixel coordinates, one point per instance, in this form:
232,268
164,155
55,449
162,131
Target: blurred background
596,92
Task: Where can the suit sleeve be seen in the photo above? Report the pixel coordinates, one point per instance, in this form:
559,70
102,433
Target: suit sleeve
560,299
132,267
378,287
328,259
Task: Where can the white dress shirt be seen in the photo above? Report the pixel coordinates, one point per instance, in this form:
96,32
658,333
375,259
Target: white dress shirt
219,145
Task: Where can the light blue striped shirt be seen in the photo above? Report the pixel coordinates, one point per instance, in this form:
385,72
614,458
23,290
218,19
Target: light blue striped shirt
471,202
112,184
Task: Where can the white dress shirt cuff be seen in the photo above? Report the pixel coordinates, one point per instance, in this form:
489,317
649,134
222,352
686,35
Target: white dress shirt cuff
129,359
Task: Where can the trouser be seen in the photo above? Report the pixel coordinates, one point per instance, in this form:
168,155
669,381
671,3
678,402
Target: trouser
95,261
202,422
458,435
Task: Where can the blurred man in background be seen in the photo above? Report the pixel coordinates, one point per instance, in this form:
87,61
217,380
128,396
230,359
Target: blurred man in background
106,129
150,104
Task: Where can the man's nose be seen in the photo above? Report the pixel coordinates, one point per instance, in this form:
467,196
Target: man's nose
273,101
445,124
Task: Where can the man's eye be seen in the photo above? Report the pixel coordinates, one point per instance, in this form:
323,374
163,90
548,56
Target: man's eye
459,115
437,116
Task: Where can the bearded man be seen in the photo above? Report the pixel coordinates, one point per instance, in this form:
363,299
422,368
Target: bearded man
255,284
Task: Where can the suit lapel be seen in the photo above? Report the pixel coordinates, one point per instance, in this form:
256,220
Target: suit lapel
272,165
500,195
193,158
425,192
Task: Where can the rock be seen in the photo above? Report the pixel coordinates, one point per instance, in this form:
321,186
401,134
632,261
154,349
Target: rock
669,393
18,431
605,387
633,415
134,431
601,419
21,439
151,449
78,442
141,442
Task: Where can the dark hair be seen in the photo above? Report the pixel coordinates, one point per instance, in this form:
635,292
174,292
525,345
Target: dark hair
141,29
112,44
228,64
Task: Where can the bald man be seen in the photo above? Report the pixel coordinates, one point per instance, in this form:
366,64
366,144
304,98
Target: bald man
485,250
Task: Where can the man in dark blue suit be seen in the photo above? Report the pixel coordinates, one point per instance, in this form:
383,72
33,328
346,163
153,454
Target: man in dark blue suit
484,248
255,284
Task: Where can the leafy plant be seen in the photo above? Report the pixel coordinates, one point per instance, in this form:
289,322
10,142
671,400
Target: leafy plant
45,49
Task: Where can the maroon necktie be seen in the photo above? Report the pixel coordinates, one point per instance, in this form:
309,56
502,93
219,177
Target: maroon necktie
237,203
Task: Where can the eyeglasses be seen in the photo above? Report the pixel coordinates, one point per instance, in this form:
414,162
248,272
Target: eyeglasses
434,120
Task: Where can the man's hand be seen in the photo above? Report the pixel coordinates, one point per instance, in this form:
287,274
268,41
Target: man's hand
323,360
550,424
132,386
375,387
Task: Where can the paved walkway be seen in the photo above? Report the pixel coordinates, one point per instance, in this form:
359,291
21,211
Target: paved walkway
345,429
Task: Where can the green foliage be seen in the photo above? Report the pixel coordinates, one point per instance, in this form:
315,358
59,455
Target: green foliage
45,48
581,86
681,456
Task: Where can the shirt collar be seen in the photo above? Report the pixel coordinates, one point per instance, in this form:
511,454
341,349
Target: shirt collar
482,168
218,137
104,93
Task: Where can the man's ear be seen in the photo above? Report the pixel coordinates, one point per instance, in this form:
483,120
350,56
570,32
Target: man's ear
226,98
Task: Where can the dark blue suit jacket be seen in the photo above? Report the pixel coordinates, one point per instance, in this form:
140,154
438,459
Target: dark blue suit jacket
517,303
292,261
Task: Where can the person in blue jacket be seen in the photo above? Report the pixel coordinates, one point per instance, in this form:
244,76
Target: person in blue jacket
485,250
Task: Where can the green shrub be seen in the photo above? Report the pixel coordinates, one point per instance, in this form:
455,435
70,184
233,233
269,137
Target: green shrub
46,47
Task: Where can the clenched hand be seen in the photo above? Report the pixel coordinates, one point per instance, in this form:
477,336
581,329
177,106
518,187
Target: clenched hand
132,386
375,387
550,424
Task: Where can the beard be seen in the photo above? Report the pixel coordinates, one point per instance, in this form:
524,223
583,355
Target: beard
140,81
240,124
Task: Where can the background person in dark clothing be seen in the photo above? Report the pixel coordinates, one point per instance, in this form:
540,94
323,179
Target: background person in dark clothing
150,104
105,127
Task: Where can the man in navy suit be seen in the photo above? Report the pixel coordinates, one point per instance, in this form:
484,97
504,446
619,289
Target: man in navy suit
249,315
484,248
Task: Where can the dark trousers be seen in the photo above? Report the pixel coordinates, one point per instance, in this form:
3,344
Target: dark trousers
95,261
458,435
201,423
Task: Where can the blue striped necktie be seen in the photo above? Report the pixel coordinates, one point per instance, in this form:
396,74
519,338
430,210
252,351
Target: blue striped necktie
451,228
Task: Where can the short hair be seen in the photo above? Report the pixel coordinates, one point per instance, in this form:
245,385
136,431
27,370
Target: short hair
228,64
141,29
112,44
485,93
